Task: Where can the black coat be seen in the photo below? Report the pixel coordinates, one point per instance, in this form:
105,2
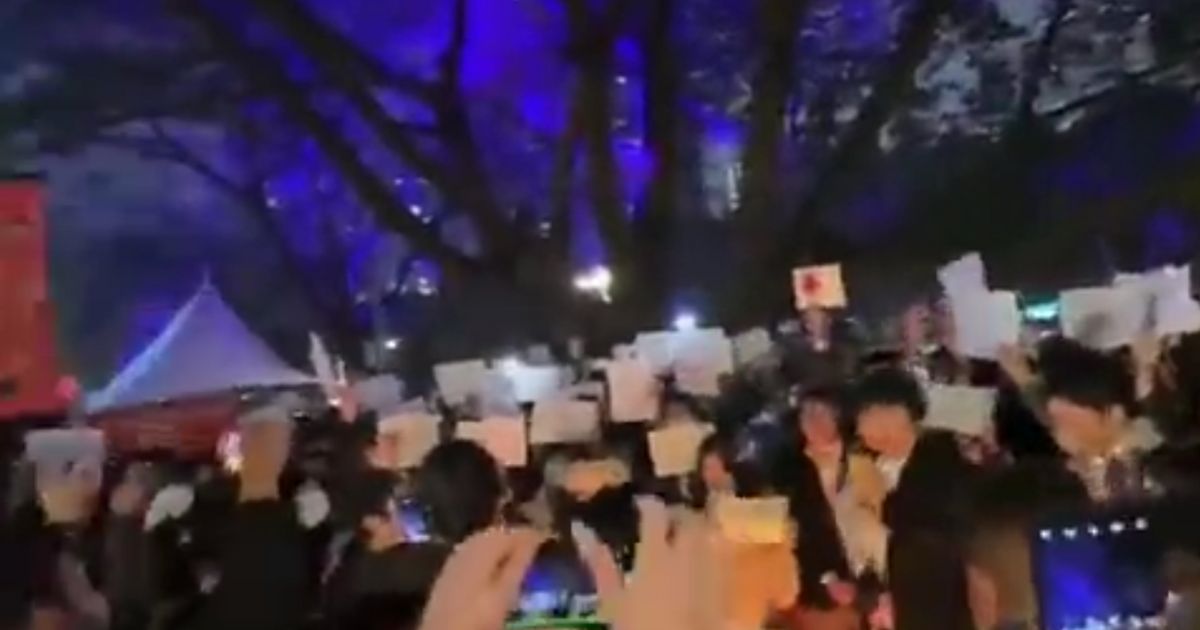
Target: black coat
819,549
928,515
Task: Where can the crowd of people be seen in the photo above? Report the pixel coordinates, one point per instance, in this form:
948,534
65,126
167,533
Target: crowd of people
892,525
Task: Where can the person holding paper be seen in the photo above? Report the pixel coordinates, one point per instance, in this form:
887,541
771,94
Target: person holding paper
929,484
822,354
834,496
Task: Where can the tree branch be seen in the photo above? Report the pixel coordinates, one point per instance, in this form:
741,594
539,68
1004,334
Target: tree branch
453,128
860,143
371,190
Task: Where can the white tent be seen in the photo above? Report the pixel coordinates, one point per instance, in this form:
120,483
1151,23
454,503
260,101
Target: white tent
205,349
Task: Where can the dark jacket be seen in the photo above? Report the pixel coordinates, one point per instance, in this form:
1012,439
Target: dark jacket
928,515
819,549
404,571
263,569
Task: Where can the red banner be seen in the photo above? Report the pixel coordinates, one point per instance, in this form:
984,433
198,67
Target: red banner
29,371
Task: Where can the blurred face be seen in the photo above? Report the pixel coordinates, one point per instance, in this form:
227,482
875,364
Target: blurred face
1084,431
943,323
382,530
887,429
714,474
818,423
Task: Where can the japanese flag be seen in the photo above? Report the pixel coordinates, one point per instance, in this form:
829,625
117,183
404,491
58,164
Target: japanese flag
820,287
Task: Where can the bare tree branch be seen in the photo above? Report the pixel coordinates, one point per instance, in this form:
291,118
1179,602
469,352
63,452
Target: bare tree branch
371,189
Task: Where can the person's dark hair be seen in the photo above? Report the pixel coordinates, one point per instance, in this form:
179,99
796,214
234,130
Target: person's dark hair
891,387
1091,380
460,485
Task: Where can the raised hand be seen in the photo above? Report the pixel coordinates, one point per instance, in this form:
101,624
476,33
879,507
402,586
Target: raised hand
676,580
481,581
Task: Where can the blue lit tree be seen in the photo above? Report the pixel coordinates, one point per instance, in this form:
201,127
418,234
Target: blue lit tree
487,151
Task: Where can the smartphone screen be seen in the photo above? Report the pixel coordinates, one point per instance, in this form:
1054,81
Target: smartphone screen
413,521
558,592
1100,570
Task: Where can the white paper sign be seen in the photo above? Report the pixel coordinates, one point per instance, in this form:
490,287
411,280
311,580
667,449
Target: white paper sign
985,321
564,422
1105,318
459,381
751,346
752,521
673,448
503,437
58,451
329,374
380,393
697,379
633,391
964,276
531,383
656,349
408,437
1175,311
963,410
708,347
663,350
819,286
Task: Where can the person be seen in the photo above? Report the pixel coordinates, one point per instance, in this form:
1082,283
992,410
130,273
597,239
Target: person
383,573
819,355
715,461
835,496
928,485
461,487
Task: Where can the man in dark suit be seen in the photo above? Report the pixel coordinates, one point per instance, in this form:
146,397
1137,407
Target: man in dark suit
930,484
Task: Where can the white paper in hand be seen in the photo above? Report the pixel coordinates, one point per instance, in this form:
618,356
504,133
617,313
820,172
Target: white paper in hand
708,347
984,322
819,286
1175,311
409,438
633,391
382,393
564,422
751,346
761,521
531,383
324,365
503,437
461,380
1105,318
673,448
697,379
964,276
60,451
656,349
963,410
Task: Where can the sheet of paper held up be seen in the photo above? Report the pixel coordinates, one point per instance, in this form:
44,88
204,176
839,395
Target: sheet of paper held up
461,380
531,383
59,451
633,391
406,438
1173,309
964,276
664,350
1105,318
820,286
985,321
564,422
503,437
752,521
751,346
673,448
964,410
